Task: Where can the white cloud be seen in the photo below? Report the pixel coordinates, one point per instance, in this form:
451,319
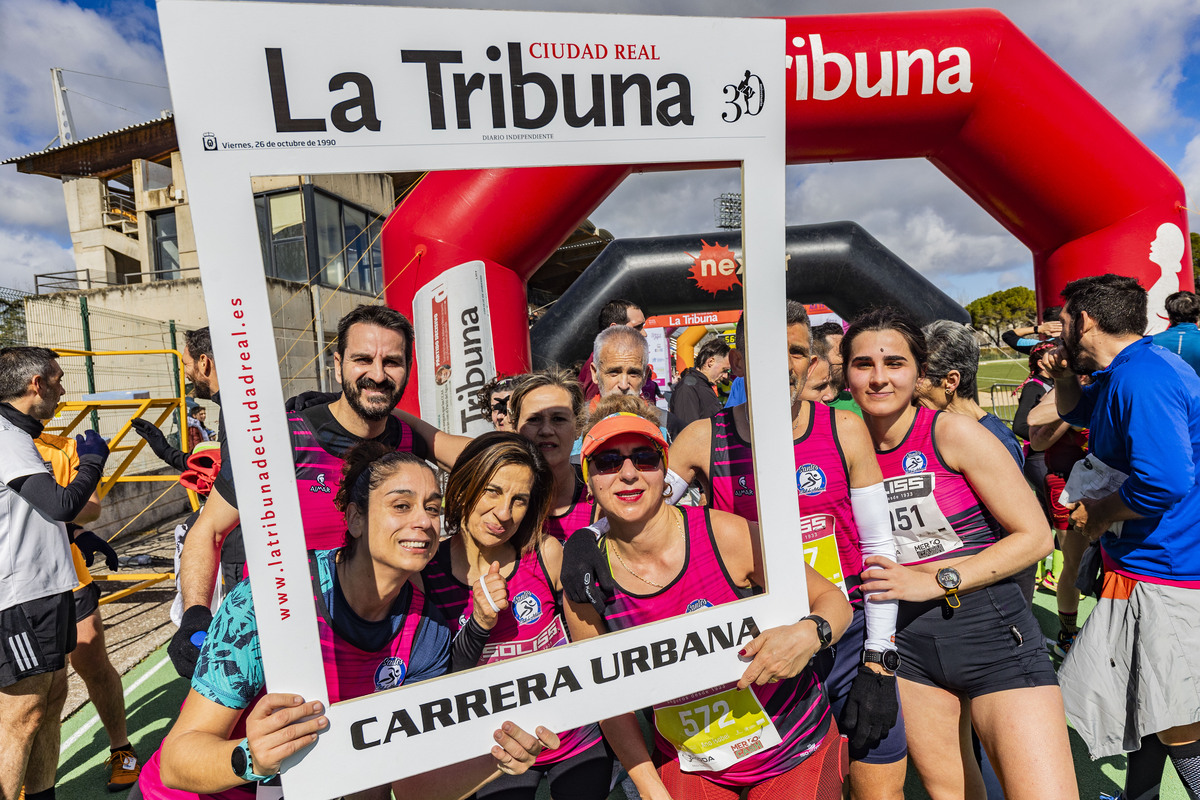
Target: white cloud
665,203
1128,53
27,254
914,211
1189,174
40,34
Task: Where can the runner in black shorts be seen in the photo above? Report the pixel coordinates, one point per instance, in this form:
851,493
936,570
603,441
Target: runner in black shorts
37,574
36,635
963,523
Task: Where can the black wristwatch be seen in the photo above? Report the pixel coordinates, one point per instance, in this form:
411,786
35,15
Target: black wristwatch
949,579
243,764
824,632
888,659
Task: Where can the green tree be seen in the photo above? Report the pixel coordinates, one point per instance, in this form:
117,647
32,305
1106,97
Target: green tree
1196,259
999,311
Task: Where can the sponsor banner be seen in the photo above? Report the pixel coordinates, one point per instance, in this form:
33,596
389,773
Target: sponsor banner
661,357
454,348
686,319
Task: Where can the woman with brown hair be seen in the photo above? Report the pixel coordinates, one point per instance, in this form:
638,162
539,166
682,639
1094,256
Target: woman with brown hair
547,407
377,631
496,581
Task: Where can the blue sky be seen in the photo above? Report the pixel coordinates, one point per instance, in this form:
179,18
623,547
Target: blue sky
1141,58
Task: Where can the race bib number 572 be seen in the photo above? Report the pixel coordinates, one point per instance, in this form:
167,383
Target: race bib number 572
713,732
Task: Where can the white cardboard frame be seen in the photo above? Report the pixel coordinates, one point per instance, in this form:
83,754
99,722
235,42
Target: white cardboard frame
215,59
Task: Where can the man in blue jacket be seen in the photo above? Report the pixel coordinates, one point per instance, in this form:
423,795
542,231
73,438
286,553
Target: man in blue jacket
1182,337
1133,672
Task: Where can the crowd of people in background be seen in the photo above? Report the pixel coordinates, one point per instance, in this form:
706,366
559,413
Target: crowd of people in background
598,504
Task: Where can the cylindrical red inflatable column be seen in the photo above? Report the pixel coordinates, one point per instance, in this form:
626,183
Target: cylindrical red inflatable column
458,251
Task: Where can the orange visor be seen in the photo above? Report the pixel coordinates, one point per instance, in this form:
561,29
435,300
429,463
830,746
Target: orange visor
617,425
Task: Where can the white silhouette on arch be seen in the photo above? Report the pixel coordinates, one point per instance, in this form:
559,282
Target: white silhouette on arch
1167,251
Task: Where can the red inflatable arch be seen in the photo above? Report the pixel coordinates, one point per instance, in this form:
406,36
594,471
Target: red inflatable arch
965,89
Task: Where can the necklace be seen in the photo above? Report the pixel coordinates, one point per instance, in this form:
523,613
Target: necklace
678,524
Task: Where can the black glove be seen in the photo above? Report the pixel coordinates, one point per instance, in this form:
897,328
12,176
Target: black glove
308,399
184,648
153,436
90,443
158,443
871,708
585,575
89,544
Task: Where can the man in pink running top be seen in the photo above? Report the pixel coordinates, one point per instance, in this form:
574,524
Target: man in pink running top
374,351
840,491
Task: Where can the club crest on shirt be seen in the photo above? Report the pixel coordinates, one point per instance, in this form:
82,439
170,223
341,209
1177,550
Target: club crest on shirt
320,485
696,605
743,490
810,480
390,673
526,607
915,462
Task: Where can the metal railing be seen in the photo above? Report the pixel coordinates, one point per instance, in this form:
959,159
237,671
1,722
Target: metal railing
69,414
121,205
71,280
1004,400
157,274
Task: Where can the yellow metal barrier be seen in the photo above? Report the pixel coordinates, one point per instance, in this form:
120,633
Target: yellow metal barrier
151,579
155,410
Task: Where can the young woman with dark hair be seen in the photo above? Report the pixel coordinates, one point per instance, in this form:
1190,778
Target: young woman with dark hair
231,733
496,581
964,524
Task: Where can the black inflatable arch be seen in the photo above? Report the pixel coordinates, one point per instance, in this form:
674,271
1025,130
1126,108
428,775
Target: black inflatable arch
836,263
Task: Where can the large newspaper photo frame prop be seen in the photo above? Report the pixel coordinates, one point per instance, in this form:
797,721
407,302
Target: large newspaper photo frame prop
231,127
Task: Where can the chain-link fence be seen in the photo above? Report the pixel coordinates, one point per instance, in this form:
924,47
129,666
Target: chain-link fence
12,317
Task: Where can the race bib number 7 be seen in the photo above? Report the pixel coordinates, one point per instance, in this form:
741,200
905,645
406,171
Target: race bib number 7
919,528
713,732
821,548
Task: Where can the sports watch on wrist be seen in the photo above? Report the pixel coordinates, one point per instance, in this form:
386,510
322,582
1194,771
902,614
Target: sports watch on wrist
824,632
888,659
949,579
243,765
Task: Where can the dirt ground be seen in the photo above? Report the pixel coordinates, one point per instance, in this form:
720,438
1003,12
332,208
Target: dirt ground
136,625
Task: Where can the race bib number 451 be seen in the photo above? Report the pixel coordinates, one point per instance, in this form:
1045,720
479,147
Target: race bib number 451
713,732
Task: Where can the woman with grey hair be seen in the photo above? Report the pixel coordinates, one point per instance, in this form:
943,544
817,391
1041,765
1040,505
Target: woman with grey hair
949,384
949,381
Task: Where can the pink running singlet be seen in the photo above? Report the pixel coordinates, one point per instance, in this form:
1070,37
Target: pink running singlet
349,672
797,708
532,622
318,478
822,491
581,514
935,512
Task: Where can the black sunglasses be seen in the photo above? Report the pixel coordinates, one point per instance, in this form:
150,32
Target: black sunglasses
611,461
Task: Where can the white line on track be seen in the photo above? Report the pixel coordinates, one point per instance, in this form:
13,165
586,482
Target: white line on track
85,727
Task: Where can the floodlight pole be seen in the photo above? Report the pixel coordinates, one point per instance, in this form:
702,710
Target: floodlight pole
62,109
